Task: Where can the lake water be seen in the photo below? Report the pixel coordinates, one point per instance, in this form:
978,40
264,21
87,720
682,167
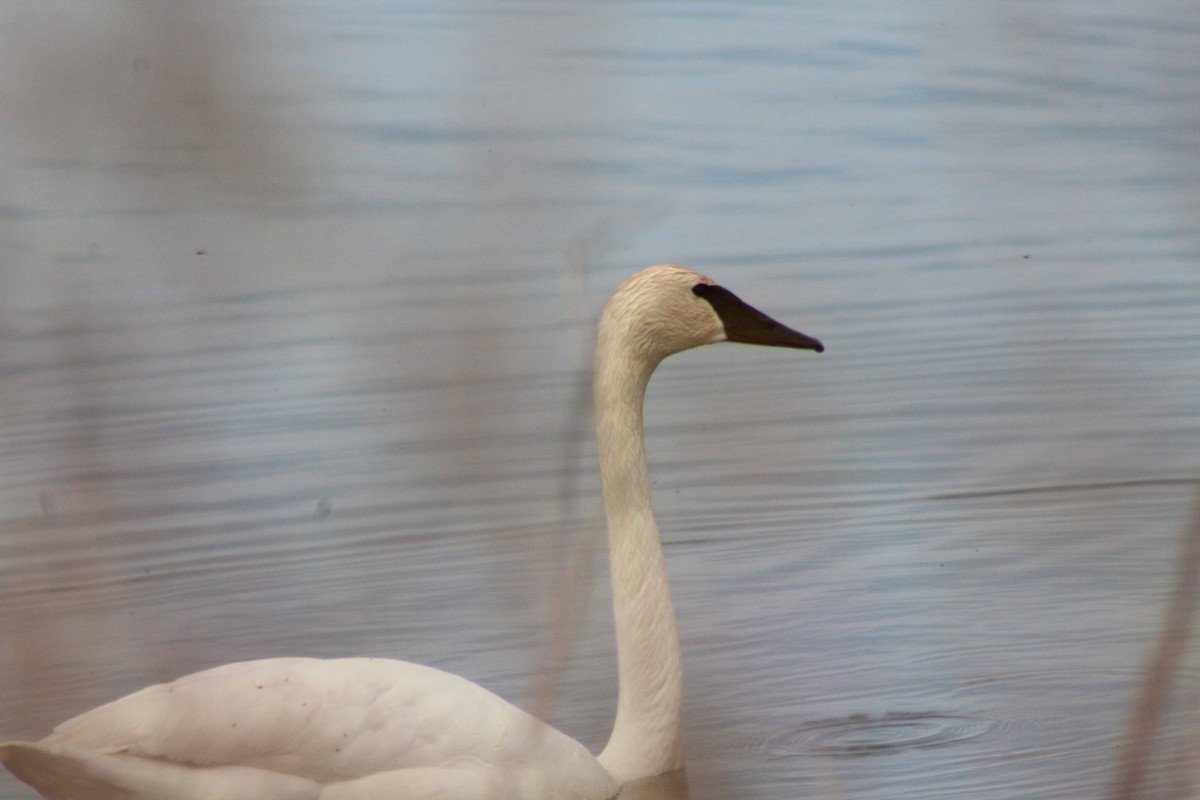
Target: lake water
295,312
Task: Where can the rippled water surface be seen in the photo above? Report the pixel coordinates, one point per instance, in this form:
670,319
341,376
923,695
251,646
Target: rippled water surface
295,308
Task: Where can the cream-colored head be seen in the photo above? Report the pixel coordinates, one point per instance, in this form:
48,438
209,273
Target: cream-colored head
667,308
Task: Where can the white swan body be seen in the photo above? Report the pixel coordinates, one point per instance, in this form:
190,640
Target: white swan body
378,729
306,729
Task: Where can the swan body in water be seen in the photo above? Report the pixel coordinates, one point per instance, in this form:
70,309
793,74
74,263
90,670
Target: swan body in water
378,729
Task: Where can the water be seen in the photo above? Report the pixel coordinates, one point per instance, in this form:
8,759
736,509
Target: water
294,316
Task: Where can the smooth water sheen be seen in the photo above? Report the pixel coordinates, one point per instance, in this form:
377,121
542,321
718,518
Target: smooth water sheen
295,314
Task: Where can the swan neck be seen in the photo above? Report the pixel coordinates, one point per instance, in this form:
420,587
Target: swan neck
646,735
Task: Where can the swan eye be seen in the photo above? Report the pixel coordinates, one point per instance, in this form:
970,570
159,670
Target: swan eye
717,296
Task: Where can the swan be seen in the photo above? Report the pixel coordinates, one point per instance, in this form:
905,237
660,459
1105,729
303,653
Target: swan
379,729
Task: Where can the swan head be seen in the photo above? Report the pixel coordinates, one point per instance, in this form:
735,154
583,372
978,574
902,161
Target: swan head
666,309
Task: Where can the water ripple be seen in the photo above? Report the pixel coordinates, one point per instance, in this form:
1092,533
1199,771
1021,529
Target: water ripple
863,734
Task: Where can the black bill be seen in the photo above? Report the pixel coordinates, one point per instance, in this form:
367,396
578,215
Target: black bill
744,323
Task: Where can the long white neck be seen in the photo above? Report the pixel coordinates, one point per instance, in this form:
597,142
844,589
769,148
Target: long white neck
646,735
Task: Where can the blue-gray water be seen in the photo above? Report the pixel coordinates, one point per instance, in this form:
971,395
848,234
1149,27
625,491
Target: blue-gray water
294,318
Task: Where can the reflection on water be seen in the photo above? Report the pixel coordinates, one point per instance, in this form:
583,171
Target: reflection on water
672,786
293,313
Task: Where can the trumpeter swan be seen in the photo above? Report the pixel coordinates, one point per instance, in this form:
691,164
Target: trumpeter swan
369,729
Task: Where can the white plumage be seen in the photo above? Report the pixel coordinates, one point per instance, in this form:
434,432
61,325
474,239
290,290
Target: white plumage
378,729
307,728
